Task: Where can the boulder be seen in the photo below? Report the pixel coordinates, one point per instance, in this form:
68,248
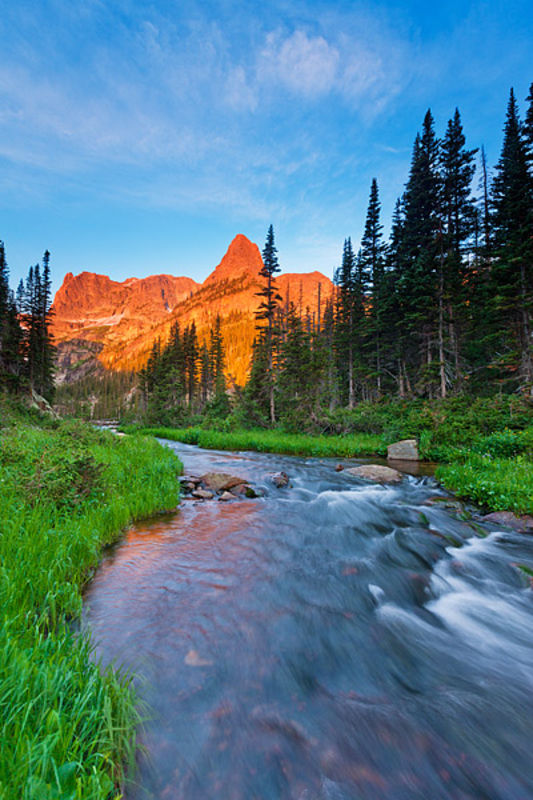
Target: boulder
406,450
280,479
203,494
376,473
221,481
522,524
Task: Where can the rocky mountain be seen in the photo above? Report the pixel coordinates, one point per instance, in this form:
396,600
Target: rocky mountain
118,322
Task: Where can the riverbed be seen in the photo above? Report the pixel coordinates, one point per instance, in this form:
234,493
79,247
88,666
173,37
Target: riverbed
335,639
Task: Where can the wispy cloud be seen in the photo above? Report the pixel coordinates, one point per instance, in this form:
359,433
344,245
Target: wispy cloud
281,111
305,64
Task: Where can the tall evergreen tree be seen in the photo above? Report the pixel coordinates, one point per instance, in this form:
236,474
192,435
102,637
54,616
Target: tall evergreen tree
456,227
219,405
347,302
267,310
4,305
528,125
191,350
512,201
417,279
372,261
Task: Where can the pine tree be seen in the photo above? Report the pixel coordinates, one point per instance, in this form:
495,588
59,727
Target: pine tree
372,268
176,367
190,346
256,397
206,376
10,331
267,310
46,357
512,275
417,280
528,125
296,381
219,405
4,305
347,302
458,219
392,311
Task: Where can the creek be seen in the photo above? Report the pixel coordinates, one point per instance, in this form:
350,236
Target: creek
336,639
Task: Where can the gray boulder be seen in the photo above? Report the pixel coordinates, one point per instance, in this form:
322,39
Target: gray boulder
376,473
406,450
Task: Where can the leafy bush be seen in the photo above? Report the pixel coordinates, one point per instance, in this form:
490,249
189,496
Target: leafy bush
497,484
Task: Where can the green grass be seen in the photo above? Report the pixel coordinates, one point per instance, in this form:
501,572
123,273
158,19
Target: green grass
67,727
494,470
264,441
499,484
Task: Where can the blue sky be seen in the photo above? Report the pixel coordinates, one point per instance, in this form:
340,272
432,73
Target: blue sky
140,137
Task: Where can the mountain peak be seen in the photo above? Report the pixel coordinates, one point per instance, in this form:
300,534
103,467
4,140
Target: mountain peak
241,258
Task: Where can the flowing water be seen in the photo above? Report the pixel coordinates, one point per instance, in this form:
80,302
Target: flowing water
336,639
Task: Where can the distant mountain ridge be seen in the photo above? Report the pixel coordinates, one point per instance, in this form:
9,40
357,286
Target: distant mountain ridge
125,318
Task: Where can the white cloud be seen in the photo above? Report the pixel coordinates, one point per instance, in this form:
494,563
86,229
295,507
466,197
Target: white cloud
306,65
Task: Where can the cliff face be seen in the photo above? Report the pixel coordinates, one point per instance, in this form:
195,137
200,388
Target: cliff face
125,318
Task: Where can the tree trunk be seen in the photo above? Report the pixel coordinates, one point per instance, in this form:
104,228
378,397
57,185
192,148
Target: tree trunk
527,368
442,367
401,384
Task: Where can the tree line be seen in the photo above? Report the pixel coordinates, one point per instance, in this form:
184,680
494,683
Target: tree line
26,348
183,377
443,307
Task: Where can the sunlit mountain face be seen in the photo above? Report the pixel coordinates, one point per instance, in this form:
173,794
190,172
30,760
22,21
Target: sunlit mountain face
124,319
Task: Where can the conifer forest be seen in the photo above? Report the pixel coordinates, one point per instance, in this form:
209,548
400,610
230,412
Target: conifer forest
441,308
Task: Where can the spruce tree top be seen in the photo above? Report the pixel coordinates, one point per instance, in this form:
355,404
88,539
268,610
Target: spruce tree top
270,259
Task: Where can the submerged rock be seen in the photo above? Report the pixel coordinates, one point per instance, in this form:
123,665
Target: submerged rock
406,450
520,524
377,473
194,659
225,496
280,479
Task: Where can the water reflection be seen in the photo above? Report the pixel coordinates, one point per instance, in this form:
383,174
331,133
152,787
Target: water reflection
333,640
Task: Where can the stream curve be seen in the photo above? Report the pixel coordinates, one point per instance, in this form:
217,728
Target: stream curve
334,640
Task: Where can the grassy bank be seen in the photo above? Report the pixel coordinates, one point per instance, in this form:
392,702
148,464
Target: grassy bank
264,441
67,728
484,446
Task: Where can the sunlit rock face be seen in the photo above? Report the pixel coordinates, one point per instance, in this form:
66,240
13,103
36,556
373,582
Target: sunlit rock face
126,318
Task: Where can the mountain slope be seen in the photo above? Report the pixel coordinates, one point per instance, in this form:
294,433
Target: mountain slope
126,318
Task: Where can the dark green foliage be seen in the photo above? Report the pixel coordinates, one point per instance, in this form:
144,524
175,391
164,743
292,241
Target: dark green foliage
266,314
184,377
528,127
512,273
26,348
371,262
